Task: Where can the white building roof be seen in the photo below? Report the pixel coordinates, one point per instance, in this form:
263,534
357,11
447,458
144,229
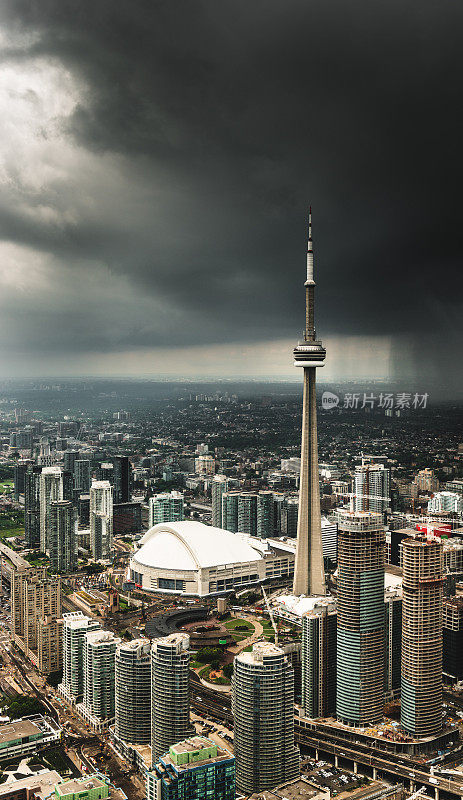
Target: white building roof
191,546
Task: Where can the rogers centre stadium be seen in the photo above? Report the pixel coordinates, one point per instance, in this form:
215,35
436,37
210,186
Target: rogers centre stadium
194,559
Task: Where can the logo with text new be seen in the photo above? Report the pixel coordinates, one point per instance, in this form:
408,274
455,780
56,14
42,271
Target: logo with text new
329,401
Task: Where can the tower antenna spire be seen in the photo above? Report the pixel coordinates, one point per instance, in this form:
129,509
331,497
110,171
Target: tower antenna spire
309,333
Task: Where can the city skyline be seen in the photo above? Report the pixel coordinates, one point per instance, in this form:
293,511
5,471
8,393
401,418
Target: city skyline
157,171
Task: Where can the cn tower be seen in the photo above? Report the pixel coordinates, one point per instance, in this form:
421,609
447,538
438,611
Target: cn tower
309,574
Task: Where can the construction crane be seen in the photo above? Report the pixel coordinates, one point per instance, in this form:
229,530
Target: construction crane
270,613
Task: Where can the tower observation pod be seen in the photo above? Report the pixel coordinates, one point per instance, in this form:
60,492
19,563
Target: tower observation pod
309,575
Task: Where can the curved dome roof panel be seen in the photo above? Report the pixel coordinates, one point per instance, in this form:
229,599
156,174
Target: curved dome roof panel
192,545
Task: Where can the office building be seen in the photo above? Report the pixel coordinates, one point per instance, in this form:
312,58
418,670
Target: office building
309,574
319,629
421,695
126,518
32,507
54,485
195,769
121,477
101,520
265,515
372,488
453,639
361,618
170,693
263,711
82,475
218,487
69,459
75,626
19,474
133,692
36,625
165,507
63,536
98,706
22,738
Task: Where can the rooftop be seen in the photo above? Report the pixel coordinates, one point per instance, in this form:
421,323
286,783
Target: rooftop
18,730
191,546
76,785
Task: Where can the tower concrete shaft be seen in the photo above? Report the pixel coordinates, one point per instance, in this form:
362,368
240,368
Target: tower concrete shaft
309,574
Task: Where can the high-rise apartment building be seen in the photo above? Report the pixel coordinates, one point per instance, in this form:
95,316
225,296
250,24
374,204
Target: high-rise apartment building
170,695
361,618
289,516
247,513
75,626
219,486
453,639
121,477
165,507
205,465
446,503
426,481
392,643
55,484
309,575
32,507
98,706
319,628
372,488
265,515
133,692
63,536
101,520
263,710
82,473
195,769
421,695
36,626
230,511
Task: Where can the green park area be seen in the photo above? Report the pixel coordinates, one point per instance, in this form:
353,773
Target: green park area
6,486
11,524
240,629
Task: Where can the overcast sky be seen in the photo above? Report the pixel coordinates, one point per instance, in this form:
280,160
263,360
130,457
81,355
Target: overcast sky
158,158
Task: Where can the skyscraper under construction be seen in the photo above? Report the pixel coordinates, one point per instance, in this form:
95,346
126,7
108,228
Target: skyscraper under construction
421,694
361,618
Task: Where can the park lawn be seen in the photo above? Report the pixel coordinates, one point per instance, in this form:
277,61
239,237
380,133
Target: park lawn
6,486
235,623
239,637
4,534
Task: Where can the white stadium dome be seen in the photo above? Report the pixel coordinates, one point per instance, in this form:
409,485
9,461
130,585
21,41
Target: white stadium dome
196,559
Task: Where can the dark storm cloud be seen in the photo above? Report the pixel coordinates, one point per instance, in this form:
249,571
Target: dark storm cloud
234,115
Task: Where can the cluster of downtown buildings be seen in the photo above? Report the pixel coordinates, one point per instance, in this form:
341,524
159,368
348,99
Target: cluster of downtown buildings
362,645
